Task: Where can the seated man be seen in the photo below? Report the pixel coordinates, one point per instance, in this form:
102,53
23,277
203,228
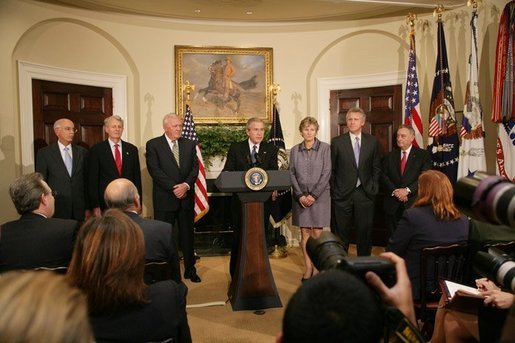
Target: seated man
35,239
335,306
159,246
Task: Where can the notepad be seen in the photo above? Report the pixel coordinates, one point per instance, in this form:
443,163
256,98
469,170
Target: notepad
461,297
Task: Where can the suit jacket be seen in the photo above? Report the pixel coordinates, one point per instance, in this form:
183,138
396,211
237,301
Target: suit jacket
162,318
165,172
35,241
102,170
418,161
71,200
419,228
345,172
239,159
159,244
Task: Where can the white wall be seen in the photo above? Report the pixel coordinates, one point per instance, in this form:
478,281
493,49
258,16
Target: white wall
143,50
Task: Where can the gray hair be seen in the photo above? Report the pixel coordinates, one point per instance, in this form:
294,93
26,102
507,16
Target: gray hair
107,120
404,126
25,192
169,116
59,122
254,120
356,110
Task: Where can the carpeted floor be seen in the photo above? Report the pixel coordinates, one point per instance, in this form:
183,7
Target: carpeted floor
219,323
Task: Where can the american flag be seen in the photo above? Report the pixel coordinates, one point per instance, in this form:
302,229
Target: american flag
443,142
412,102
201,199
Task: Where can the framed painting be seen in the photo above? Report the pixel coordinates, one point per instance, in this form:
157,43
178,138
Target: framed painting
231,85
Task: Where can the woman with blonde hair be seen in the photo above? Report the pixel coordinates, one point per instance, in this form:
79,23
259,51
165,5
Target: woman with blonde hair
310,172
433,220
40,306
108,264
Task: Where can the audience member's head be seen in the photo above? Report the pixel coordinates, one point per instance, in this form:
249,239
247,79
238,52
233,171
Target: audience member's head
122,194
30,193
333,306
435,189
108,262
40,306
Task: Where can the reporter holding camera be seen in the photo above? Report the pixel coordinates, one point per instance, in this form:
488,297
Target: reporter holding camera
336,306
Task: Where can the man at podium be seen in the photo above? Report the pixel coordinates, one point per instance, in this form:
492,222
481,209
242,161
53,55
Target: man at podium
242,156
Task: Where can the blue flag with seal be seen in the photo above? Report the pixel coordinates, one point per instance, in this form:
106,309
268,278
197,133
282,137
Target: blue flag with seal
282,205
443,143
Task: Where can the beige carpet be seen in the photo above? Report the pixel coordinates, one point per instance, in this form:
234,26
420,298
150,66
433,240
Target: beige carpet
216,324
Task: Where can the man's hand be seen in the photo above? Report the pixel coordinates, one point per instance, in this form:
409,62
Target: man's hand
400,294
401,194
180,190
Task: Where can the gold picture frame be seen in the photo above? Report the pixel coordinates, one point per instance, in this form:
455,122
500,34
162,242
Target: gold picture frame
231,85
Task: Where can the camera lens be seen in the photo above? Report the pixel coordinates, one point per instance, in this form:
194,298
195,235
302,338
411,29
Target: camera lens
495,265
486,197
326,251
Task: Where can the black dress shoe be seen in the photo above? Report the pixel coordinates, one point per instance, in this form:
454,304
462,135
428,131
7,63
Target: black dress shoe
193,277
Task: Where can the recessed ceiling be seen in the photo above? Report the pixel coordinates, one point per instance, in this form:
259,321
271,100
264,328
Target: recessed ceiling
262,10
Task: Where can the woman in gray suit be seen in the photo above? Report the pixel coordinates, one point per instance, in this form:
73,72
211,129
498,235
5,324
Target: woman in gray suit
310,172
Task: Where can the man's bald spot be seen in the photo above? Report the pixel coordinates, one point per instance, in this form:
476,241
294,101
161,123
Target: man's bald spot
120,193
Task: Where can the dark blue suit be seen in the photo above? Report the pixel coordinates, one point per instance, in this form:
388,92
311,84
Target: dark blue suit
102,170
391,178
351,205
71,201
419,228
35,241
165,174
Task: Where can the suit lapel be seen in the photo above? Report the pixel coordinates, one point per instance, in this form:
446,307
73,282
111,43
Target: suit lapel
58,158
76,159
108,156
349,148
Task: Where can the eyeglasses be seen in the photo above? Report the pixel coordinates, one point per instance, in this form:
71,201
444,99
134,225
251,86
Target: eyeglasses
67,128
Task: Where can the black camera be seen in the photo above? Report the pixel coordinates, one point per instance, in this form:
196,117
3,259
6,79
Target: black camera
327,252
487,198
496,265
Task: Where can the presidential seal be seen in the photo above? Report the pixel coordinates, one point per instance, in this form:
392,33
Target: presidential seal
256,178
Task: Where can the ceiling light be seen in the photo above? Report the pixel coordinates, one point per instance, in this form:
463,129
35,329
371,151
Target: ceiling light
249,13
197,10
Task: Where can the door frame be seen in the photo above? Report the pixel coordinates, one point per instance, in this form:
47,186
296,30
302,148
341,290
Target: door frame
28,71
326,85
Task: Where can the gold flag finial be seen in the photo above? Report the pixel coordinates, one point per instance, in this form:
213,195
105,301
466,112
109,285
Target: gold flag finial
474,4
439,9
410,20
188,88
274,88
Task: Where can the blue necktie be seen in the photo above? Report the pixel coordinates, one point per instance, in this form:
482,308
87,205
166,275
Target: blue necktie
254,154
356,150
68,160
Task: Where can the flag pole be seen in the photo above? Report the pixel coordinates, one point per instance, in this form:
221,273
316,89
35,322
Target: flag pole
274,89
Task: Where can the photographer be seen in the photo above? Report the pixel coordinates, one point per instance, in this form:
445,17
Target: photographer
336,306
486,326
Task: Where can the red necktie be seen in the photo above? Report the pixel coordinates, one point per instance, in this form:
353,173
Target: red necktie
118,159
403,162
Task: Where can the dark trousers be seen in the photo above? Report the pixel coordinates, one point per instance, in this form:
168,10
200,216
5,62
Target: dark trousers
356,211
392,219
184,219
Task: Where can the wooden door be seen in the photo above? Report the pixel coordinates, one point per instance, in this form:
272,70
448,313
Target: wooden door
86,106
383,107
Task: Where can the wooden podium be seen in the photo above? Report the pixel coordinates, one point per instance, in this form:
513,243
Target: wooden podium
253,286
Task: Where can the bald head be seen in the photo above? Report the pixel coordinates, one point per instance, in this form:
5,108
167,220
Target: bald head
122,194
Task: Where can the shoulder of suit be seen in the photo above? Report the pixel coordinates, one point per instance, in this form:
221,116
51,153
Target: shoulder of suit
63,223
128,145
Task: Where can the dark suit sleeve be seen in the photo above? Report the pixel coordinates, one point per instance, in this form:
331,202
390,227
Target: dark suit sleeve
137,174
42,164
386,181
402,236
154,167
271,164
230,161
422,155
376,165
94,177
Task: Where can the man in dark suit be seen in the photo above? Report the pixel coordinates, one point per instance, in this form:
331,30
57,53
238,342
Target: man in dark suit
242,156
159,246
401,169
173,165
36,239
109,160
356,169
64,167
